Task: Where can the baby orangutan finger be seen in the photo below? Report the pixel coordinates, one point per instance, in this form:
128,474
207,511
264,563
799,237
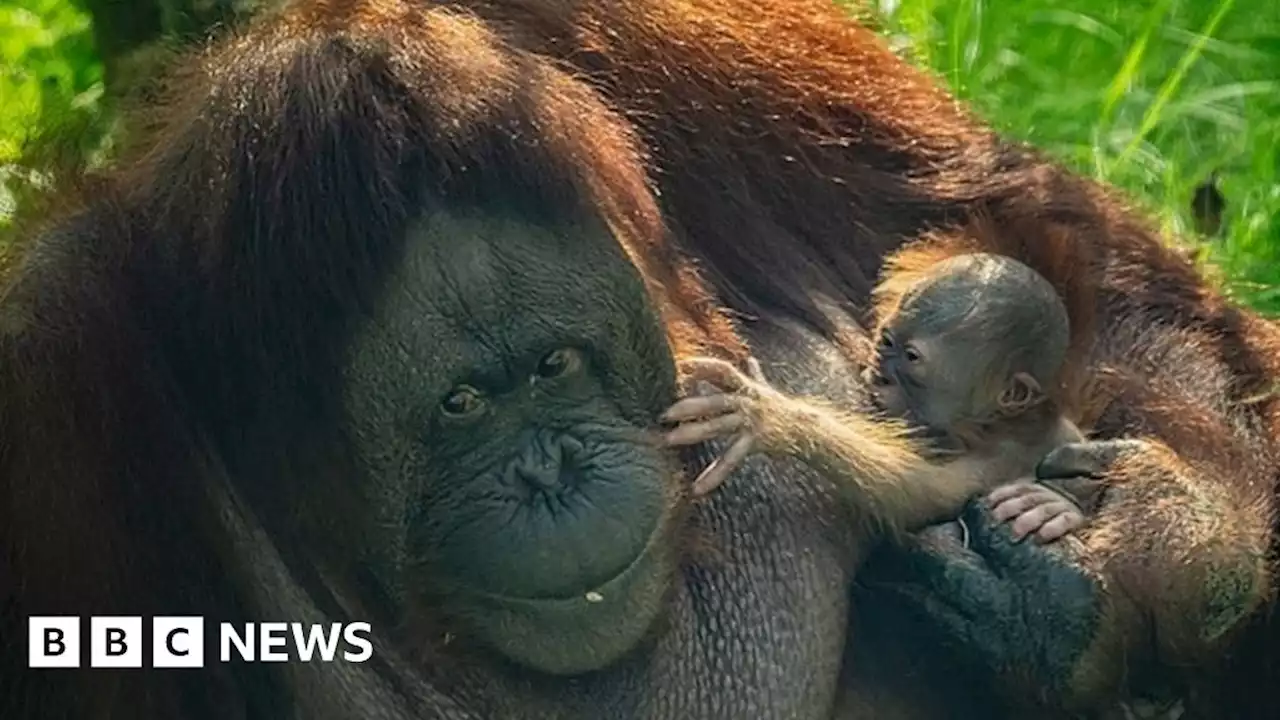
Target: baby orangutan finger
1009,491
719,372
1014,499
718,471
1060,526
1037,517
714,429
703,406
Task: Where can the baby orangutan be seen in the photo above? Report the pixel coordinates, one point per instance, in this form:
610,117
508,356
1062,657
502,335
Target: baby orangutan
969,356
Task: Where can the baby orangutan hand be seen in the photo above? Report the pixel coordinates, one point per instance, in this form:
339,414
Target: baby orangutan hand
1035,509
738,410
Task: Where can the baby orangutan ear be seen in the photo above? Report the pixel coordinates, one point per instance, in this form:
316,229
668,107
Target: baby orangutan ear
1021,394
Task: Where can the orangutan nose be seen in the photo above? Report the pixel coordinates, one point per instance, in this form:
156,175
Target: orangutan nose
549,462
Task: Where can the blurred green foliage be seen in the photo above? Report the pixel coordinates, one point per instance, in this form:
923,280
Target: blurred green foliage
50,86
1153,97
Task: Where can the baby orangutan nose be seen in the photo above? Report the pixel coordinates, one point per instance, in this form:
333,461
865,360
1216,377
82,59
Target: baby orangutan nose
549,463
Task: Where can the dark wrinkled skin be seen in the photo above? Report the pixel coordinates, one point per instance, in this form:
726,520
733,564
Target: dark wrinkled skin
505,511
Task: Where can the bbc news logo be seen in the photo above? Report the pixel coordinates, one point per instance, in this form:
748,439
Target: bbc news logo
178,642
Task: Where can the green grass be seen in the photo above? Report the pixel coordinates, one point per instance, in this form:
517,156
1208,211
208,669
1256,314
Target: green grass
1151,96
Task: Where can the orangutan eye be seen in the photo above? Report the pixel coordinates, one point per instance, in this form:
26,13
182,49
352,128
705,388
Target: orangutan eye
462,401
886,340
560,362
912,354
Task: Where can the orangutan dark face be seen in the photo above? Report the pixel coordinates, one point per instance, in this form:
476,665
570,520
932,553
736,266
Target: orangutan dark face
502,402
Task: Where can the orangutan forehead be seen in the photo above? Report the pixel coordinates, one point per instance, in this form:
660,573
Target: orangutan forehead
980,291
469,257
941,303
475,289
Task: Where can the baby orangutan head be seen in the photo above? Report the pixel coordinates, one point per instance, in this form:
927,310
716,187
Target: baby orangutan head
978,340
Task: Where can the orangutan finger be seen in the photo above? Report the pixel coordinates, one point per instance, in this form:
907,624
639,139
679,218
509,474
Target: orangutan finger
1060,526
1035,518
702,406
1009,491
714,429
717,371
1016,505
718,471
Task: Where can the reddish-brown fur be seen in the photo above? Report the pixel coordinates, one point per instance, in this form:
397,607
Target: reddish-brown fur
792,152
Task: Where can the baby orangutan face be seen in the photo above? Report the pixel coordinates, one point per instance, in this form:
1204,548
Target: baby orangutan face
964,348
942,381
901,380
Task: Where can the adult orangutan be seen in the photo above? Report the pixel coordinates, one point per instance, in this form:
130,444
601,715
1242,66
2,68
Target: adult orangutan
309,353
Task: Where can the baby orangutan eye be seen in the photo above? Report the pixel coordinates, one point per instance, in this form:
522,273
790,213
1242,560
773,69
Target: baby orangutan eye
462,401
886,340
558,363
912,354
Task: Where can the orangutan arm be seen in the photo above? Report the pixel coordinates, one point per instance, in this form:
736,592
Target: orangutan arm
888,480
1178,550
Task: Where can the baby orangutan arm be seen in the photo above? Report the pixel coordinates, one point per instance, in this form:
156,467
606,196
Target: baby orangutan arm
882,469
